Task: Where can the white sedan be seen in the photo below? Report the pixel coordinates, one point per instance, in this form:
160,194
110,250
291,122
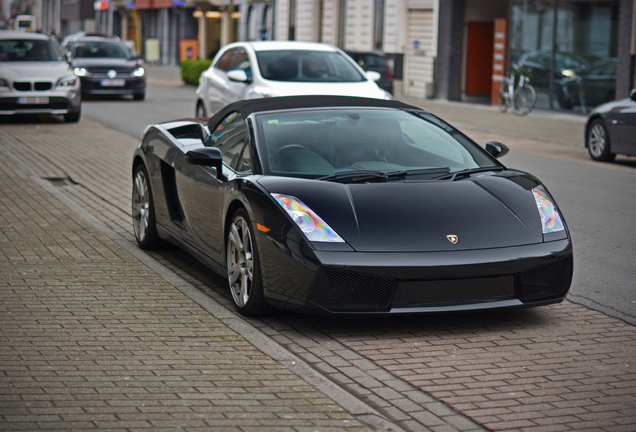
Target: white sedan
250,70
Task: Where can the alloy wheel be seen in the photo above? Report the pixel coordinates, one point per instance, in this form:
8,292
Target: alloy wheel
140,206
240,262
597,140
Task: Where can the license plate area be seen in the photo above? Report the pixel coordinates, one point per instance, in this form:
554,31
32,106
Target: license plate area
113,82
36,100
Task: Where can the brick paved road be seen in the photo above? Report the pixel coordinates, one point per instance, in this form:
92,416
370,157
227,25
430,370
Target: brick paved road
561,367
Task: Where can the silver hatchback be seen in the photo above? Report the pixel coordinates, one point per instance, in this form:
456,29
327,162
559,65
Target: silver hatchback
35,78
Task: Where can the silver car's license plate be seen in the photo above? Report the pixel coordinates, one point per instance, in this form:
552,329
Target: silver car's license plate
38,100
113,83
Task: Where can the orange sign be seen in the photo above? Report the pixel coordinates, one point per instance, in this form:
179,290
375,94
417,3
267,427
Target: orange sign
188,49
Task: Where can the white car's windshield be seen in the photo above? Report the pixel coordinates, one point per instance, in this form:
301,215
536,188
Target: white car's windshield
322,143
19,50
307,66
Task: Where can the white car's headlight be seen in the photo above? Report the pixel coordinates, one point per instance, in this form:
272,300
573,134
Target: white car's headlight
67,81
80,72
139,72
550,218
309,222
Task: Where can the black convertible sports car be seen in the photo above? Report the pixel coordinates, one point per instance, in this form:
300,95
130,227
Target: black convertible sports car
349,205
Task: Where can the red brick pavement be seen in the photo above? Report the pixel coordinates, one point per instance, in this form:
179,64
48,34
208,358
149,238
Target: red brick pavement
557,368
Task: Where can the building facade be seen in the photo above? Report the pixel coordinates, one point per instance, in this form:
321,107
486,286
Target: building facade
577,53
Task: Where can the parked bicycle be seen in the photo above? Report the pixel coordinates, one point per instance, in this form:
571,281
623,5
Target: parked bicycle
516,92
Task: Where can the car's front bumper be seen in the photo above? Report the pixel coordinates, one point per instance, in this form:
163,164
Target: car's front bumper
101,85
352,283
63,101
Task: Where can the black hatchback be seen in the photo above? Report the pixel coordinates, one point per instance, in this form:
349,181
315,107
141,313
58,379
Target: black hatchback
106,66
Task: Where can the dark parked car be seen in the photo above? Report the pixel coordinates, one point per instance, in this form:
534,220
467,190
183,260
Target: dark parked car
537,65
593,85
370,61
349,205
611,129
106,66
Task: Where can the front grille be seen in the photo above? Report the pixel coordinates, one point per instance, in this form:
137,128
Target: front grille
339,290
43,86
104,71
547,281
22,86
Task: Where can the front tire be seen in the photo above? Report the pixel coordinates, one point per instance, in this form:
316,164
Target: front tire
73,117
243,268
504,100
598,142
524,100
200,111
143,210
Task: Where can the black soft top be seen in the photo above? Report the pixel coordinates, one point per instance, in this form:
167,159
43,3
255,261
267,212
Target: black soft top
247,107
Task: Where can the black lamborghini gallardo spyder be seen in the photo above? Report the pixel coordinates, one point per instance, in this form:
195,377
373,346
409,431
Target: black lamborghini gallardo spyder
349,206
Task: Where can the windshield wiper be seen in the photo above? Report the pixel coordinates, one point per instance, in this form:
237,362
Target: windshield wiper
466,172
363,175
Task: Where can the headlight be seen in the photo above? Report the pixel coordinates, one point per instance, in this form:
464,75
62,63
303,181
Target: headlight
568,73
550,218
67,81
80,72
309,222
139,72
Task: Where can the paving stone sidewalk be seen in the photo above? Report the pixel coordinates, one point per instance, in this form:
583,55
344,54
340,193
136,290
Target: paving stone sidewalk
91,338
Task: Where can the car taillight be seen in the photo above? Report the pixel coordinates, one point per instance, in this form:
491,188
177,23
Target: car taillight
389,75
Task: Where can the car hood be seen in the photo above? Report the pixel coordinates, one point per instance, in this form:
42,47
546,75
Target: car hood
35,69
114,63
360,89
492,211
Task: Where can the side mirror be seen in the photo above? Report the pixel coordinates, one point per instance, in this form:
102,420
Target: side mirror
207,156
632,95
374,76
497,149
237,75
68,56
202,134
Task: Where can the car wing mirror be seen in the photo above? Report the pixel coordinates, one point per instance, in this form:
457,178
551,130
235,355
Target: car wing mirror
68,56
237,75
632,95
497,149
203,135
374,76
207,156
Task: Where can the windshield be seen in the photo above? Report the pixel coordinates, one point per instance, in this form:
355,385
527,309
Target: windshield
28,50
101,49
307,66
321,143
